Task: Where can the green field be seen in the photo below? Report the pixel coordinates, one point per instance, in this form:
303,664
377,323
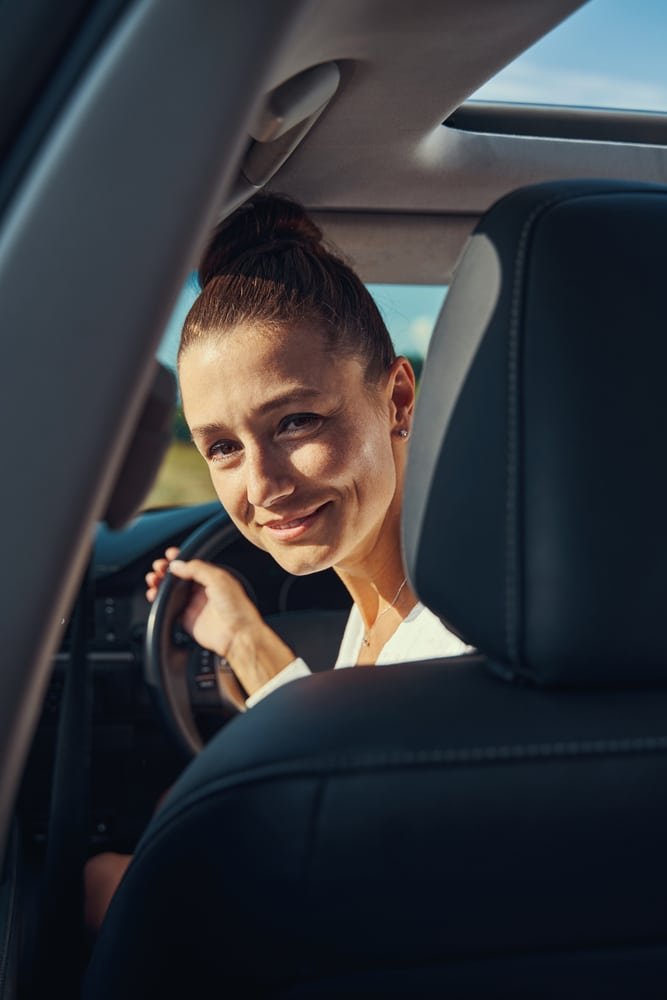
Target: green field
183,479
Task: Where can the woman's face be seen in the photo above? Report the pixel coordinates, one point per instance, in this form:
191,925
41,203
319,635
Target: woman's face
301,452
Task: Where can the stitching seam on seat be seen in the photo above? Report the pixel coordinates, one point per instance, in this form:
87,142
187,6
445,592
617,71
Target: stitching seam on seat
511,487
459,755
529,751
572,192
347,766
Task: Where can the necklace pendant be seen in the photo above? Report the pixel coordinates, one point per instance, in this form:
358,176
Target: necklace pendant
366,638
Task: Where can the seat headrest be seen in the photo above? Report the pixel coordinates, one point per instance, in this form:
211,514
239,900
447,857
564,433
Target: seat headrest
536,493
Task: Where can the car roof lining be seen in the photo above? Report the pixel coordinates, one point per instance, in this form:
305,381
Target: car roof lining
401,248
371,148
381,159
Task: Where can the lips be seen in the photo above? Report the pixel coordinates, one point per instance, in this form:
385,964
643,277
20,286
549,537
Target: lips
284,525
286,529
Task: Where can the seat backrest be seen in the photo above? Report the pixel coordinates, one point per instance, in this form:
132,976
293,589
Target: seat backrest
492,825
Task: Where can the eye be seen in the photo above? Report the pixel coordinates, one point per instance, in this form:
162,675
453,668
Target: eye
222,451
297,422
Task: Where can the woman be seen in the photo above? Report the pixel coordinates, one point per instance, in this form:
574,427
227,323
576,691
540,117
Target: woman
296,400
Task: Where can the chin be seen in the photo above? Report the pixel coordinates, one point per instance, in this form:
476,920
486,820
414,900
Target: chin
304,563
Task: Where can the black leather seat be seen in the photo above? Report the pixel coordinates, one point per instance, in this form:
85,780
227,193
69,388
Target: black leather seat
493,825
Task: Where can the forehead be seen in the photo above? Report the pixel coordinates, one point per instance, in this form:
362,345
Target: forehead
247,367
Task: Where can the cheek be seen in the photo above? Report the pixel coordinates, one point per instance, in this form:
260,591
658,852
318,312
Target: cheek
350,460
375,475
320,461
233,499
229,492
374,444
377,472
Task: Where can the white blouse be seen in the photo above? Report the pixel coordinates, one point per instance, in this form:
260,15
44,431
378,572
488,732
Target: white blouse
420,636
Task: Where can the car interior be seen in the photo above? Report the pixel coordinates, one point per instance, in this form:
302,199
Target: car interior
488,825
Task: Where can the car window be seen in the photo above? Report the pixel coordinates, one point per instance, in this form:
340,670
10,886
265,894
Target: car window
607,54
410,312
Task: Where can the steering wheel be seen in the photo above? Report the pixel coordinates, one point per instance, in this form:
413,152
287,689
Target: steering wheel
180,673
309,616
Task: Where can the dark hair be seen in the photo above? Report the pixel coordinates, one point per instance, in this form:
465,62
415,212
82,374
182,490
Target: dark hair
267,265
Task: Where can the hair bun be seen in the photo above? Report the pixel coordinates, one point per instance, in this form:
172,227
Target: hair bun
265,224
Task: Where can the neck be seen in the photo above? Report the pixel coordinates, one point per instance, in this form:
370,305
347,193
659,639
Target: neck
375,575
377,584
373,598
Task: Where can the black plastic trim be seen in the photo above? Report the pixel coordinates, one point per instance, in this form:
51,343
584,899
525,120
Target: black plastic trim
544,121
84,31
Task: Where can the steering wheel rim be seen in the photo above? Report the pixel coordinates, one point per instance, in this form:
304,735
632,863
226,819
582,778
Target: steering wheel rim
165,663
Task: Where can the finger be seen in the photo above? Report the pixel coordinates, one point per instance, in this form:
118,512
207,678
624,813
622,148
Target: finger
160,569
212,579
201,572
153,581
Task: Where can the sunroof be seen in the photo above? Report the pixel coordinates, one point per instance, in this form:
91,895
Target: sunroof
608,54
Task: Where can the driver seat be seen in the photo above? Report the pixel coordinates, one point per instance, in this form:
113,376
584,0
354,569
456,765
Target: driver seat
493,825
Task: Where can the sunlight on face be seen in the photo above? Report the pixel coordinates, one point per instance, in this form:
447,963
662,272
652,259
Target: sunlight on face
298,447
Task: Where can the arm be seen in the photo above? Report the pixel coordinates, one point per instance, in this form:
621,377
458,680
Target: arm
297,668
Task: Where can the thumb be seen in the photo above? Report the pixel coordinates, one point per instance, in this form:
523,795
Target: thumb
194,569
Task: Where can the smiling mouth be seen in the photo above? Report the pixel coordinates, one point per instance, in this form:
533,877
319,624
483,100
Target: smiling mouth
294,527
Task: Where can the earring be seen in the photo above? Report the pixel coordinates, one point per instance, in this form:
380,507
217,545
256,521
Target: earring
402,433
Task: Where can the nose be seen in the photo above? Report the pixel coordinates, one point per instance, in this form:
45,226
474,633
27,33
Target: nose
268,476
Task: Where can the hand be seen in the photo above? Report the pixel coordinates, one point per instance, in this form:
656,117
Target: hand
220,616
218,606
158,573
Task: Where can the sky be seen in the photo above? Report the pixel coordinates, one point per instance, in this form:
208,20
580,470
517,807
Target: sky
610,53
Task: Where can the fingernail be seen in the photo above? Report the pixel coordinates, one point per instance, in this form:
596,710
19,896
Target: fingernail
176,564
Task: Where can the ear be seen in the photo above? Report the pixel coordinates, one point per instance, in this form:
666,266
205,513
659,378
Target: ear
401,384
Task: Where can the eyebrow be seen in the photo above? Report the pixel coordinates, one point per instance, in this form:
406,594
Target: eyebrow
284,399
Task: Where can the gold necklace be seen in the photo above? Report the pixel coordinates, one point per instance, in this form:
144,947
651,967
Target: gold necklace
367,632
